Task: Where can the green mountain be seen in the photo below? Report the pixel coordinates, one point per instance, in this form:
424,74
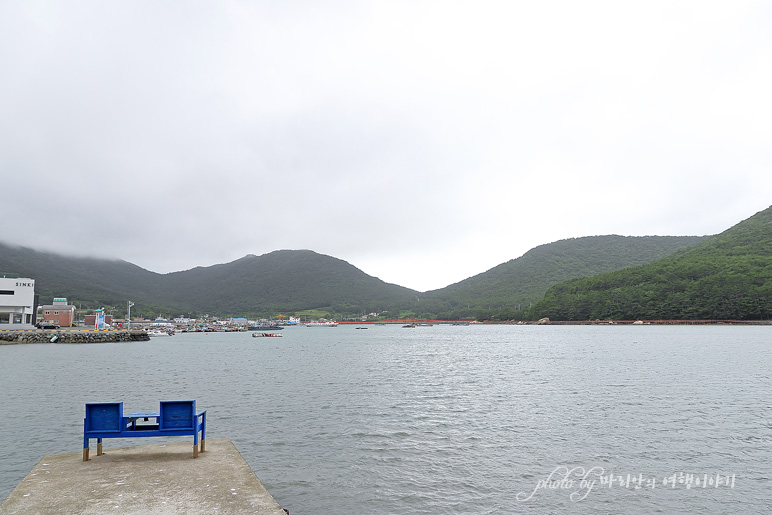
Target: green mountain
282,281
289,281
516,284
727,276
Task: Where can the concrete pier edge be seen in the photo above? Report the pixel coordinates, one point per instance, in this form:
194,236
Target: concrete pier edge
158,479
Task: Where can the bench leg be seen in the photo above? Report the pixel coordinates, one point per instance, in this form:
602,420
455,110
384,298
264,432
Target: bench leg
85,448
99,447
203,432
195,450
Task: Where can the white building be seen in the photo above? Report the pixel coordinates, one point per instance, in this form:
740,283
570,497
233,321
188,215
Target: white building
17,301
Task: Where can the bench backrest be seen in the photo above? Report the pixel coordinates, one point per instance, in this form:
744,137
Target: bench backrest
176,415
104,416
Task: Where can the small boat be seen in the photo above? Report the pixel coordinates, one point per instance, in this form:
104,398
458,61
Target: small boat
155,333
265,327
408,326
273,335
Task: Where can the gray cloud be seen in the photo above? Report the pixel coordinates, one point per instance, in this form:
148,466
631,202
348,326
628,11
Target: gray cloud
423,142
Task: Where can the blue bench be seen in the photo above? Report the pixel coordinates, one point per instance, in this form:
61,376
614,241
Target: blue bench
174,418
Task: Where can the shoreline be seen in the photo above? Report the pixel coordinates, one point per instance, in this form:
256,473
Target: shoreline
629,322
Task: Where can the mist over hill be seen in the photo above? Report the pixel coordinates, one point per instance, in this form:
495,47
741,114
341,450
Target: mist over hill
281,281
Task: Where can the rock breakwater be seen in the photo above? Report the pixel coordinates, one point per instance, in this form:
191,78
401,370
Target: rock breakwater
67,336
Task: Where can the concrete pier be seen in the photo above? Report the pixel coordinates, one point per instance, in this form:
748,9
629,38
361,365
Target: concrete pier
158,479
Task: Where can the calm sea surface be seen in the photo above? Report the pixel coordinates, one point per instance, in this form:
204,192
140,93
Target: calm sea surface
441,419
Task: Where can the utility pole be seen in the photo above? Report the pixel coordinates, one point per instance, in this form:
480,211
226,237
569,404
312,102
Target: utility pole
129,315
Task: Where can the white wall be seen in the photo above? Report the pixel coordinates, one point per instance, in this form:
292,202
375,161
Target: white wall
17,297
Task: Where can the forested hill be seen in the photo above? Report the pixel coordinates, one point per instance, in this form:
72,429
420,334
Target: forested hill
522,281
727,276
289,281
282,281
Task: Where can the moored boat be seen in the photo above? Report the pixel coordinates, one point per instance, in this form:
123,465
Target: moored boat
269,335
154,333
265,327
322,324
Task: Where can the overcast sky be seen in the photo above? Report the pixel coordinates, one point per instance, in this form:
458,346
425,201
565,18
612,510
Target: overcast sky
423,142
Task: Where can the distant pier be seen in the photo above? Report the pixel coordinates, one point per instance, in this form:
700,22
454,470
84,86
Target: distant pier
156,479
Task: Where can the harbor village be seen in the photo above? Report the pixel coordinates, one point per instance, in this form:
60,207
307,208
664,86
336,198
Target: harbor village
25,319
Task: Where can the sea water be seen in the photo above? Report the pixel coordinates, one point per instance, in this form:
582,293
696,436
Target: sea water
440,419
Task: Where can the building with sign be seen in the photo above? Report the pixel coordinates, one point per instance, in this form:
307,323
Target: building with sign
59,313
17,302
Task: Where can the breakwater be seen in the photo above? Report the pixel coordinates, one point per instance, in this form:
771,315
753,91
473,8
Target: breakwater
71,336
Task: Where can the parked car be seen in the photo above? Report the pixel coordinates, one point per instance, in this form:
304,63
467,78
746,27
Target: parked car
46,325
